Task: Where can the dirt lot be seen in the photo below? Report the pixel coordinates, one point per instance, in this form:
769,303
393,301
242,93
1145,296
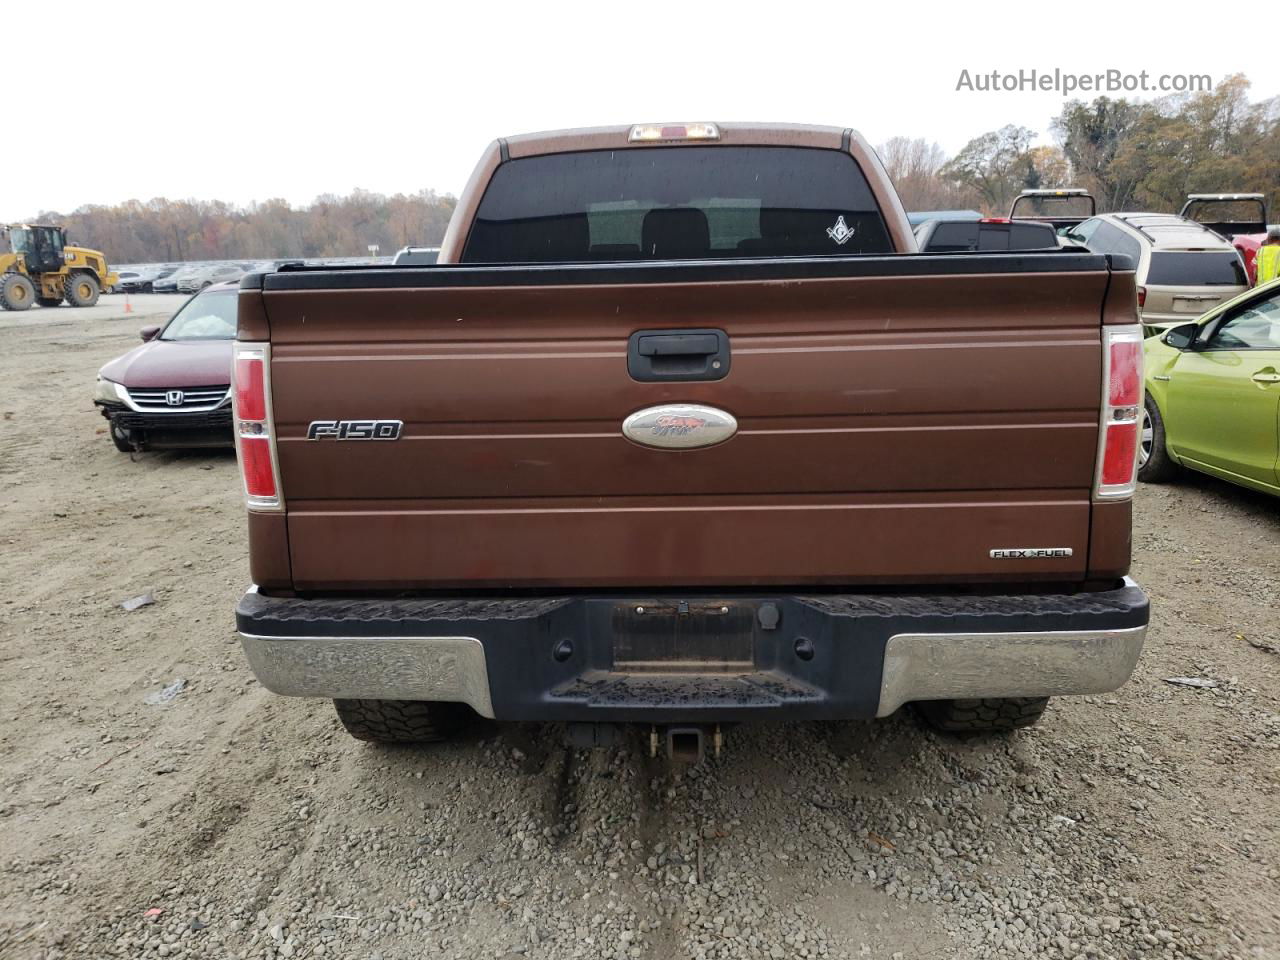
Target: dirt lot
232,823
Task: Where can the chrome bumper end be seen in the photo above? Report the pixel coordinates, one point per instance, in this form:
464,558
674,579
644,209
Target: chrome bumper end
376,668
960,666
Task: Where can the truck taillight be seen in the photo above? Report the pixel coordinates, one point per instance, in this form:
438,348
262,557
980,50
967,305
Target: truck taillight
1121,412
255,433
1142,297
251,394
255,460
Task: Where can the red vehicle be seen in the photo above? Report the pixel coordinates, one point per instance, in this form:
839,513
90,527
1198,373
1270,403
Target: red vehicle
173,391
1247,245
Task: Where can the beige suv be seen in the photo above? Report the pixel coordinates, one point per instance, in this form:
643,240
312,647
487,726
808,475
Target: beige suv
1183,267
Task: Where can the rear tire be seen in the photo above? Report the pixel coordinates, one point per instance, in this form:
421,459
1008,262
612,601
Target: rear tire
1154,463
16,292
81,289
402,721
987,715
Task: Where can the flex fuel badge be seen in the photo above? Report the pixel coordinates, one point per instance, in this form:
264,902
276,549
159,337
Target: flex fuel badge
1030,553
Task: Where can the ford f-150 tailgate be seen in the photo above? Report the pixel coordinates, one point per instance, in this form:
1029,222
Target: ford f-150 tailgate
898,419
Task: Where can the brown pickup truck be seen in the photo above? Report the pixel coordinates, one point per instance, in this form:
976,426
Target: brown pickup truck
681,430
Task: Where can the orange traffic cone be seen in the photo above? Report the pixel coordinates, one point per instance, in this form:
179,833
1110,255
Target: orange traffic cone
128,308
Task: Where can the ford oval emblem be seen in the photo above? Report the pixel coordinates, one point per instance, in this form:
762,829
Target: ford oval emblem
679,426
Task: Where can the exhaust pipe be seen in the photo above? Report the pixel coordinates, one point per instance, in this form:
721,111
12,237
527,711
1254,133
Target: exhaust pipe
686,744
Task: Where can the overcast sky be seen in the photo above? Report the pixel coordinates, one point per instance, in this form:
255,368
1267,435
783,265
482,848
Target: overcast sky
248,101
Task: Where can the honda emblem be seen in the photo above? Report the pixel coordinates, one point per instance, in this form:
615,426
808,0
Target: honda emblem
173,398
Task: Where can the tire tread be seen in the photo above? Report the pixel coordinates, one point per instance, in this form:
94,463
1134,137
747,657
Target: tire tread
985,715
10,281
401,721
69,288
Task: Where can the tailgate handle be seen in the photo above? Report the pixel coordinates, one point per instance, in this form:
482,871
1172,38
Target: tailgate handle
678,355
678,344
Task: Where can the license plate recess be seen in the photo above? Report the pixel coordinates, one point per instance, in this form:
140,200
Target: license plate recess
684,636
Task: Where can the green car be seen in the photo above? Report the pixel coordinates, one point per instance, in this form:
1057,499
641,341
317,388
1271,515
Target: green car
1213,395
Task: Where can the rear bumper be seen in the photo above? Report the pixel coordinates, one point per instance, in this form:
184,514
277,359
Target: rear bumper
554,659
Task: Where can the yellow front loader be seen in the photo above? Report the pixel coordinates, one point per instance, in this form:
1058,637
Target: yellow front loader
41,268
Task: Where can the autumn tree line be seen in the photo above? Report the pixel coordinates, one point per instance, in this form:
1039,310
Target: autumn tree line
164,231
1130,155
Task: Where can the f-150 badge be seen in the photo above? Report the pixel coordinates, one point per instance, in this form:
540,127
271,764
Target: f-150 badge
354,430
841,232
679,426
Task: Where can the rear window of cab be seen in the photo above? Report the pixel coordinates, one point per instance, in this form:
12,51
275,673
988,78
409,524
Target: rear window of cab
677,203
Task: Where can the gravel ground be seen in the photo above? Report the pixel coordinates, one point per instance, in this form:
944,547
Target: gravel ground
230,823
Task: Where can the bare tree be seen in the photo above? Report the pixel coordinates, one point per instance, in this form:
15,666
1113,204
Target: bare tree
915,166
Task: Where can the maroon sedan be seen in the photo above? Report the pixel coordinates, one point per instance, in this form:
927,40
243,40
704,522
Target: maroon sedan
174,390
